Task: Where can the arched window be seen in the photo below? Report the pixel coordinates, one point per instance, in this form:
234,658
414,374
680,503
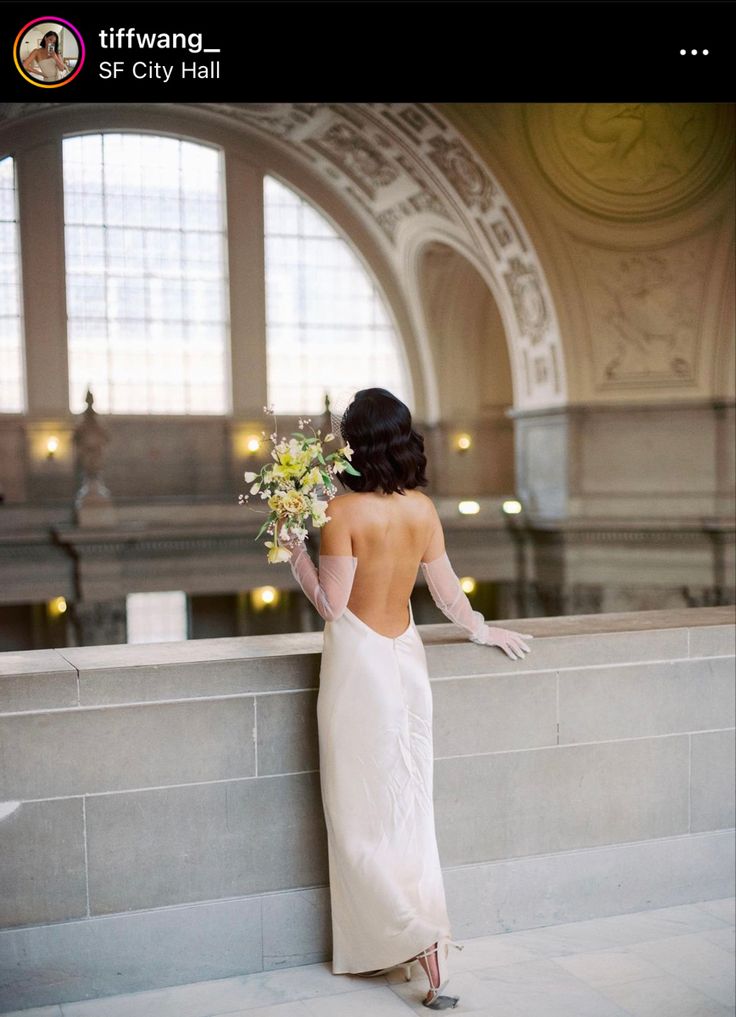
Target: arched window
12,380
146,274
328,329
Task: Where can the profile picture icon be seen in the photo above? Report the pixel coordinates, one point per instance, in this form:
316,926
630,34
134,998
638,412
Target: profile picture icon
49,52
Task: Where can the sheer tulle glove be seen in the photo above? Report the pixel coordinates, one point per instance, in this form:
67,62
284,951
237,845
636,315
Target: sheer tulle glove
451,599
512,643
328,587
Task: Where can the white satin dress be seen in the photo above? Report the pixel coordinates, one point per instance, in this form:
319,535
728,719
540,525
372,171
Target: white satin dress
374,714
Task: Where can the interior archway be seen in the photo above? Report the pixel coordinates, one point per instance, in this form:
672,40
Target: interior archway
468,341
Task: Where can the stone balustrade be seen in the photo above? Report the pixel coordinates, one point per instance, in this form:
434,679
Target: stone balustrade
160,812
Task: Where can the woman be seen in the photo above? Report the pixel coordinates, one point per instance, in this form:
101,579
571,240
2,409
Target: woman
374,707
46,57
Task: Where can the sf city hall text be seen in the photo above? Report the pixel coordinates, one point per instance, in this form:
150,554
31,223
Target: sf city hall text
160,72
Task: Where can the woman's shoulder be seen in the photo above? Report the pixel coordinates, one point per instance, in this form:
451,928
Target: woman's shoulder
342,502
427,507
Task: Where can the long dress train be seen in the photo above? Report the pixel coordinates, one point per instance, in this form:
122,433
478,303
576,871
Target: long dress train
374,714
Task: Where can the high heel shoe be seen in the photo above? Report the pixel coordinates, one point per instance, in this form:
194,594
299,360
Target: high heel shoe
406,965
436,1000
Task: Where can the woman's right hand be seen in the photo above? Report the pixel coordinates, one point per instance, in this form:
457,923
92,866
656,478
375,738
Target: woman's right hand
512,643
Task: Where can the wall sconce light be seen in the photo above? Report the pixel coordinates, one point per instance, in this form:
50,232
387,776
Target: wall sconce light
252,443
52,445
468,508
57,606
264,596
463,442
511,507
468,584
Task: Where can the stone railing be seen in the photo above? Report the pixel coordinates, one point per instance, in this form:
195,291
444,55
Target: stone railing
160,812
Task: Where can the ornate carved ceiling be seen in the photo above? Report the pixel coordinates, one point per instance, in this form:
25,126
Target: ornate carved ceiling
630,161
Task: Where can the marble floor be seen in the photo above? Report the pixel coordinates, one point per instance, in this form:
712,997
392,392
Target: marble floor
669,962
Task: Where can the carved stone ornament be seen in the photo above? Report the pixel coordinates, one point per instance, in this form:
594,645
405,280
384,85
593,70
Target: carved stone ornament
531,311
644,310
356,156
631,161
468,176
277,118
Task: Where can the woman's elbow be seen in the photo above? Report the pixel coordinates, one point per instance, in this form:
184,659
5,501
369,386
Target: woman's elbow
331,612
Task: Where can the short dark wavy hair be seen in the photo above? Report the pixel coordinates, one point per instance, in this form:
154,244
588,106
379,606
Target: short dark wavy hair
386,449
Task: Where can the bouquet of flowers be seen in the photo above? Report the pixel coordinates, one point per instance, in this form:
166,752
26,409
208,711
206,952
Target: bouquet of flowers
297,485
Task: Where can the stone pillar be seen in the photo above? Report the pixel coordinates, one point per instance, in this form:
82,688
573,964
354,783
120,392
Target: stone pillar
244,186
41,209
99,623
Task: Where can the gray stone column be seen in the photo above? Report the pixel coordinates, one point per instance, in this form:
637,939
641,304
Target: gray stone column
41,207
244,185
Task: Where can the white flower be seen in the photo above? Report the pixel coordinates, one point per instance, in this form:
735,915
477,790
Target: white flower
329,437
319,512
250,477
255,489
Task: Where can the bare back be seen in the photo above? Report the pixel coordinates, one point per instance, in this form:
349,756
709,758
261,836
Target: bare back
389,535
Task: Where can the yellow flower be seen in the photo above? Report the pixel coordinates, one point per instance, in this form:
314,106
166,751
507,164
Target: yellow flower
290,466
311,479
294,503
276,553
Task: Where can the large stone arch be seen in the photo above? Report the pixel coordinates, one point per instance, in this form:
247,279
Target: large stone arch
387,173
410,171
